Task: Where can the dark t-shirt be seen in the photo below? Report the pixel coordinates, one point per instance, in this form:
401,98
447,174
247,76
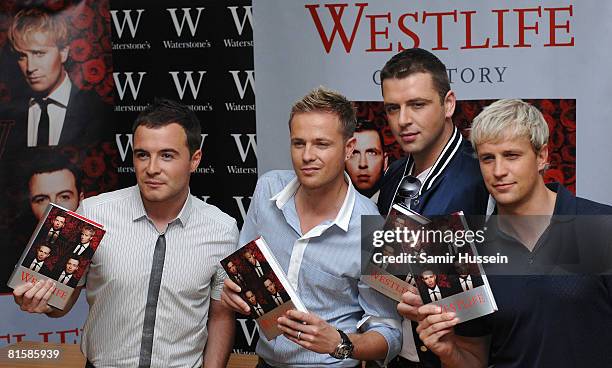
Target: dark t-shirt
555,303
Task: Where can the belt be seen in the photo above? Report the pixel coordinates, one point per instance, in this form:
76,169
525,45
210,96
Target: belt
401,362
262,364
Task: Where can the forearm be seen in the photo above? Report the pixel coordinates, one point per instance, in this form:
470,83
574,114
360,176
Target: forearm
370,345
221,328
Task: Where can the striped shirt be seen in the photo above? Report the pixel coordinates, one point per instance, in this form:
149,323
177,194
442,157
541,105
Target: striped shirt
118,277
324,265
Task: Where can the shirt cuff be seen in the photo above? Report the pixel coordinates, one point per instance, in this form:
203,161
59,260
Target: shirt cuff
390,329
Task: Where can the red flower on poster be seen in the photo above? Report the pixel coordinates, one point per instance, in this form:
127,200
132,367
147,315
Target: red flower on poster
94,71
94,166
55,4
80,50
83,18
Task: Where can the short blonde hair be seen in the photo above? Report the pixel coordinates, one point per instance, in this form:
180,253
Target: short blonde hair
322,99
510,117
32,20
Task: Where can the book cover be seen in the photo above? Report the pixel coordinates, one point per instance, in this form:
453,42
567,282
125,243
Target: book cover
60,248
265,287
437,256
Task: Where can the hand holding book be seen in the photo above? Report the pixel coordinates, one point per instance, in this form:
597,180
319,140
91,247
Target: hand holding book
33,297
230,297
410,303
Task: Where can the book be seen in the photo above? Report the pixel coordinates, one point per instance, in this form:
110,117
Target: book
60,248
264,285
438,256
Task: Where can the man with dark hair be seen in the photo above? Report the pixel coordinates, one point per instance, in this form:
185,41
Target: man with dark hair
368,161
53,179
439,175
465,280
57,112
311,218
256,307
275,296
66,275
36,261
234,274
158,213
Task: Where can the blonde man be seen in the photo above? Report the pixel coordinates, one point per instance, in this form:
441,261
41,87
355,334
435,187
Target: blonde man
311,218
545,321
56,111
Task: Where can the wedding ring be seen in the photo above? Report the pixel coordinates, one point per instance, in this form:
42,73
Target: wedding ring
299,334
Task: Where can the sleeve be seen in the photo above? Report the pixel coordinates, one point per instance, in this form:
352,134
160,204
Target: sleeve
250,228
216,284
380,315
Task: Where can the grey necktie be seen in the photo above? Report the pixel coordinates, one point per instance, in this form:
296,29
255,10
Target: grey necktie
146,344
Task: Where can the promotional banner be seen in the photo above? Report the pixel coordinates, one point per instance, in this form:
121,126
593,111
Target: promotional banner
547,52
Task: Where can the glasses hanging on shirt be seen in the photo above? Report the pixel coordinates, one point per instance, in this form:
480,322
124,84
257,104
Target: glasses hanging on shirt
408,190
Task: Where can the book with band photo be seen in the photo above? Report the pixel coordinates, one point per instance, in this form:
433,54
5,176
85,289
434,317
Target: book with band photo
437,256
60,248
264,285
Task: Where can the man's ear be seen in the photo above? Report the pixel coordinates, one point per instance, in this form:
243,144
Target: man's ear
349,147
542,158
64,52
195,160
450,101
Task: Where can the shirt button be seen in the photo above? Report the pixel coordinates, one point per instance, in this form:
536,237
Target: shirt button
423,348
530,260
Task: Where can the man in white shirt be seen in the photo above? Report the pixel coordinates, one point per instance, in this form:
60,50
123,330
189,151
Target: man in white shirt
177,236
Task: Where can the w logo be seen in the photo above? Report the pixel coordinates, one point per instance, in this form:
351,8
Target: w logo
248,14
181,87
127,18
129,82
193,25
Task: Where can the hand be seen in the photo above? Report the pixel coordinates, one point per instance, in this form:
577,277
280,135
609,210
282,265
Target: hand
230,297
411,301
33,298
436,330
315,334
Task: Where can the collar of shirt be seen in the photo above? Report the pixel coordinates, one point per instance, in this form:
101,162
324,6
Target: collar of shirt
342,218
139,212
299,247
448,152
61,95
564,211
